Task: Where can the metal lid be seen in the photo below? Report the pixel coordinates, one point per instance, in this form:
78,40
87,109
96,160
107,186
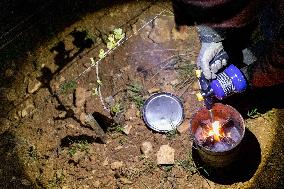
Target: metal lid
163,112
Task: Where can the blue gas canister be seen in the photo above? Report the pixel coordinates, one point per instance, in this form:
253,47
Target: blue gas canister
230,80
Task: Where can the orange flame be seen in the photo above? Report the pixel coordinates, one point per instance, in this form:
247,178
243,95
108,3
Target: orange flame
216,131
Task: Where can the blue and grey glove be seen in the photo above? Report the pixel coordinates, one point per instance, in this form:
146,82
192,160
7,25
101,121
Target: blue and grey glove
211,46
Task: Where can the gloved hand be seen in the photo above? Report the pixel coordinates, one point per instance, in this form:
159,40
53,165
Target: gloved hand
207,53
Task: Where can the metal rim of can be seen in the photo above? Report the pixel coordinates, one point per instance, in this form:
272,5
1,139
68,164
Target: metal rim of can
155,96
223,152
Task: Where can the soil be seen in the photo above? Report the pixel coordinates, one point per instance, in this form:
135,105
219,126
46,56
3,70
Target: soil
48,142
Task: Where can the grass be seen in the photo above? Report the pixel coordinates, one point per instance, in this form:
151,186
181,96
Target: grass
118,128
186,70
122,141
116,108
135,94
189,166
253,113
115,127
32,152
58,179
149,166
167,168
90,35
68,86
172,134
82,146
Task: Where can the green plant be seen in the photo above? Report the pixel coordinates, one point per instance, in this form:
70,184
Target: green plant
90,35
167,168
135,94
58,179
33,153
122,141
116,108
82,146
186,70
118,128
172,133
95,91
253,113
189,166
112,41
71,85
115,127
149,165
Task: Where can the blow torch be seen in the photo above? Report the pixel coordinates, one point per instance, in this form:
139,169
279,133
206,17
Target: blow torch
228,81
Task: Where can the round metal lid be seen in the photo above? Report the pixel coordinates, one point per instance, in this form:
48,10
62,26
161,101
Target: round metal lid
163,112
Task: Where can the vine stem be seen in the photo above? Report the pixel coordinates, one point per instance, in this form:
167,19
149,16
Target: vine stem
96,64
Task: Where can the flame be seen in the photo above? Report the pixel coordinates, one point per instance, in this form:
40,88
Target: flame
215,131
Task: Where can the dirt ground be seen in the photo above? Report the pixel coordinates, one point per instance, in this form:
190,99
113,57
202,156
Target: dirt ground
47,142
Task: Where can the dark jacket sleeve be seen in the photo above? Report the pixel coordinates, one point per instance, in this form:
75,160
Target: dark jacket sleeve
217,13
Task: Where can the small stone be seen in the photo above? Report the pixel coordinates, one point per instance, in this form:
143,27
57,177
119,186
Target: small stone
23,113
146,30
29,107
80,97
78,156
71,126
146,148
161,32
154,90
33,85
110,101
134,29
174,82
97,184
125,8
84,187
118,147
166,155
131,112
65,187
168,88
9,73
83,117
124,180
61,79
12,95
105,163
184,127
62,114
5,124
126,129
116,165
25,182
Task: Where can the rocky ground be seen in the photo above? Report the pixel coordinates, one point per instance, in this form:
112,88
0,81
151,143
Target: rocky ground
69,123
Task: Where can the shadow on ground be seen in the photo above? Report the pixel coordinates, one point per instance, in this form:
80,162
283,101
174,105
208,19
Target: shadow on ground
11,167
262,99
